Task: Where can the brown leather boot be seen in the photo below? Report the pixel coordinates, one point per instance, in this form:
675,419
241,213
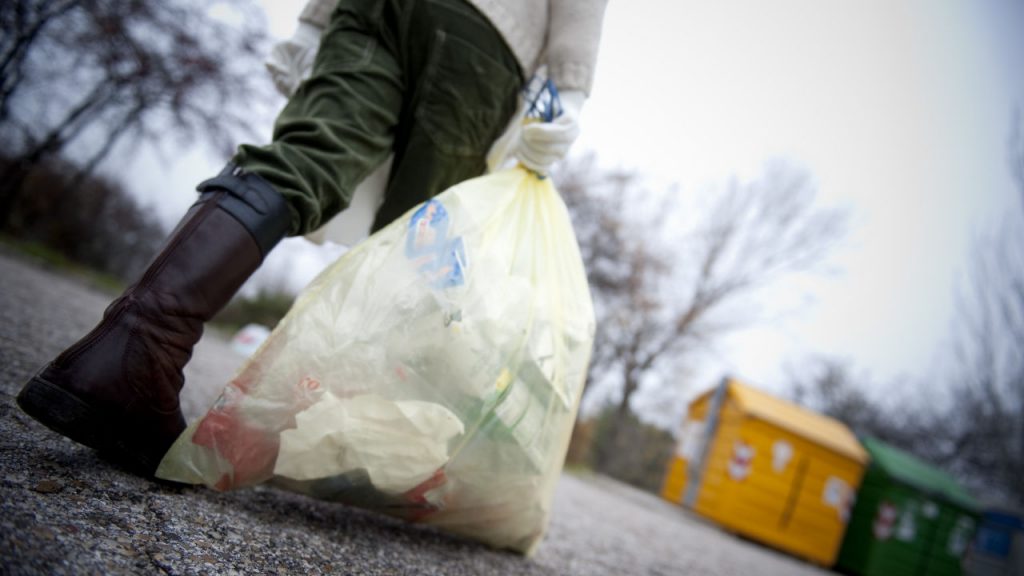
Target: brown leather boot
116,389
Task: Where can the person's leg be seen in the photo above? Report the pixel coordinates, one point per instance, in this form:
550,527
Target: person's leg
340,124
463,84
430,80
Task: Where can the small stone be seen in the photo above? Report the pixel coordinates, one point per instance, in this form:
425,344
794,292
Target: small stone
47,487
125,551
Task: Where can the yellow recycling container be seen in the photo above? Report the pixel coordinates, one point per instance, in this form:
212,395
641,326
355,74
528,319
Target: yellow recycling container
767,469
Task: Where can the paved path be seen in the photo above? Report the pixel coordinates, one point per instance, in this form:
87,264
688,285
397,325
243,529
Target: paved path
64,511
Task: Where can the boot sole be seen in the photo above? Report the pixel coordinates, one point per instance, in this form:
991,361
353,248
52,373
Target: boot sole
70,416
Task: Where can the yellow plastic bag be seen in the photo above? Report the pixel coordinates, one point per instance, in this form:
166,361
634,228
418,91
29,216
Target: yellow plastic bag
434,372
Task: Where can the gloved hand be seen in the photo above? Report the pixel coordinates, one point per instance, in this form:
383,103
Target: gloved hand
291,61
541,144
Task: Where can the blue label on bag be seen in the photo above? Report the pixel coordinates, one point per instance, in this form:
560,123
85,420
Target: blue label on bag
439,259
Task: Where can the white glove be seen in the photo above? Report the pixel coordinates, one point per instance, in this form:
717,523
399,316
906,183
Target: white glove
541,144
291,61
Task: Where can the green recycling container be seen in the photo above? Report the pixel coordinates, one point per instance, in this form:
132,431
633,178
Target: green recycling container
910,518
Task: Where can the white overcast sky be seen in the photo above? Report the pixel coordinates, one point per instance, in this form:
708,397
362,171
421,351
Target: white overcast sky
900,109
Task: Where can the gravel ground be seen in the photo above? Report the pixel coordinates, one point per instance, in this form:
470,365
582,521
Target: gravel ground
64,511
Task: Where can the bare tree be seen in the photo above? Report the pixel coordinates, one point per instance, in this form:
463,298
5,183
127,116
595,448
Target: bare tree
79,76
989,388
978,434
659,303
988,421
23,24
899,417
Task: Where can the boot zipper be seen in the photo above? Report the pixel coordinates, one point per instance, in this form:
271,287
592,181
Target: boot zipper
158,264
73,352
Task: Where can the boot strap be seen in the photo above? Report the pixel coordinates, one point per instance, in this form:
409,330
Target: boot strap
251,200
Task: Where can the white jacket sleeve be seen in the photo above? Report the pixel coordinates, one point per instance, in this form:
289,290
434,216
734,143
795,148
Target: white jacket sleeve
318,12
574,33
291,61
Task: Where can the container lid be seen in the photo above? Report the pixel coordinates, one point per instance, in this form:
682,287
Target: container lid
817,428
910,470
1005,519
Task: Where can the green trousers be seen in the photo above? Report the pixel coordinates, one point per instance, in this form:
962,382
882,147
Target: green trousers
431,81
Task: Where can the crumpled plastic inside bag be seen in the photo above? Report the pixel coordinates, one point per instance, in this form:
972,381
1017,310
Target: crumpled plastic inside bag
399,444
433,372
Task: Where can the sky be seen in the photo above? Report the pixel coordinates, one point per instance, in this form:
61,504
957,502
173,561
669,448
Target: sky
899,109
